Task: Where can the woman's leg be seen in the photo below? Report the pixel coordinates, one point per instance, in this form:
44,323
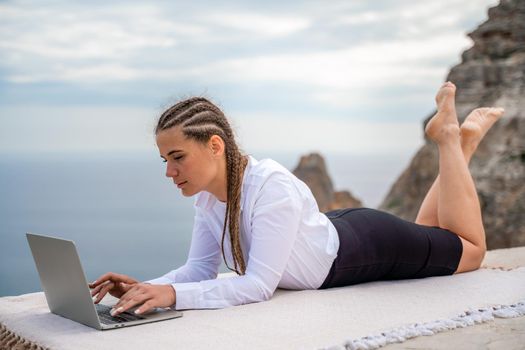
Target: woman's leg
472,131
458,204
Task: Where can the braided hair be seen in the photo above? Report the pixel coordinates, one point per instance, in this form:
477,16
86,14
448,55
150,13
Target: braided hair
199,119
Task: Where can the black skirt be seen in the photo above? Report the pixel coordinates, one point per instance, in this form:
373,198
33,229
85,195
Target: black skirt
375,245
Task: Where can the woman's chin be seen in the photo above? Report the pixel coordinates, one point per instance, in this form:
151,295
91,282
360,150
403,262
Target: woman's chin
188,192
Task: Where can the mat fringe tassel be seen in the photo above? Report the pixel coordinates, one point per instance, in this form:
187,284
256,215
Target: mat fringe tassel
401,334
11,341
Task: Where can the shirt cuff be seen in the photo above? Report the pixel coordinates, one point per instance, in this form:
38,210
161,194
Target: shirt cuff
189,295
160,280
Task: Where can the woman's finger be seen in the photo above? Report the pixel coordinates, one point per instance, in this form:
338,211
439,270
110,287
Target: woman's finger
105,277
133,291
114,277
147,306
123,306
104,291
123,278
99,280
96,289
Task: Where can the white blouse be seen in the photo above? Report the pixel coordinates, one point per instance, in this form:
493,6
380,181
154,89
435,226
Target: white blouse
285,240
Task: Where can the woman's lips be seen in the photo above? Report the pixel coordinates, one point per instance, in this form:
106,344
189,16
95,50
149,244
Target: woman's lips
180,184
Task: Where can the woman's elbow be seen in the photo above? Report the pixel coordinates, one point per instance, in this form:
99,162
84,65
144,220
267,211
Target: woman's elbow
264,292
266,296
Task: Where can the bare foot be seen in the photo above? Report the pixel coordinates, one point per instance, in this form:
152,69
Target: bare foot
445,121
476,125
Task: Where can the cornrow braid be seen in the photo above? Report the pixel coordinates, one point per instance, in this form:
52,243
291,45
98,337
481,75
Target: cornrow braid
200,119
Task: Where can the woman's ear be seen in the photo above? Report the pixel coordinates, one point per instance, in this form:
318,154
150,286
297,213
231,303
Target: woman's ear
217,145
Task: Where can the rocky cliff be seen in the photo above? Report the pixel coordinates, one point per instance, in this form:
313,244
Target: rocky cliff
312,170
491,73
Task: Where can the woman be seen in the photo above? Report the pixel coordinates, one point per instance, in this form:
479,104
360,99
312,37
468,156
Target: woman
265,223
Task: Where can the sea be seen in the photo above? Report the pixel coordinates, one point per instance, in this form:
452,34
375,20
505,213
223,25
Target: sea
123,214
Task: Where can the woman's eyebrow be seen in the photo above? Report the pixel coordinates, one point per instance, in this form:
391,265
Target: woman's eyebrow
173,151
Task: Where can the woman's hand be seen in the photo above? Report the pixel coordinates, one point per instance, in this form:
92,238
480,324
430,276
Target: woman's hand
114,283
148,296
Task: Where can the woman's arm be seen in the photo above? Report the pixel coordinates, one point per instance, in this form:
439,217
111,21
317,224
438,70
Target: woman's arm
274,225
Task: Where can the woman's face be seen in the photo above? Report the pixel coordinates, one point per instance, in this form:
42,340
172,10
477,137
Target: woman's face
193,166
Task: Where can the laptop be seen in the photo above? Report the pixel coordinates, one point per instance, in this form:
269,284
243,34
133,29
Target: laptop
67,291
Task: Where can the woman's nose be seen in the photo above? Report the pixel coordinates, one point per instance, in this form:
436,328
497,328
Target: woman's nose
171,171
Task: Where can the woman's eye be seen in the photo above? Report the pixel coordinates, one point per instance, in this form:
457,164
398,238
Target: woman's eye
178,158
164,161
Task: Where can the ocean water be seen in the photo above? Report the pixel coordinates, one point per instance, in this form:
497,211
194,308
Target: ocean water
124,215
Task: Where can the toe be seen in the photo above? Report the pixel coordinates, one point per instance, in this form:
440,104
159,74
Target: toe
499,110
445,97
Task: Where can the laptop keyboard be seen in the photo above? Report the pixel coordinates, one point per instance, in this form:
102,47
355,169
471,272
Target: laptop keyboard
105,316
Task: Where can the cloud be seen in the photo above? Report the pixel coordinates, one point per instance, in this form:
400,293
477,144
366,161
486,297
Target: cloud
421,17
87,74
80,43
138,42
84,33
266,25
340,59
363,65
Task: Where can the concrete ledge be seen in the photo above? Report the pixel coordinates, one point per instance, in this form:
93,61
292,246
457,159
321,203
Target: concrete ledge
504,334
509,258
362,309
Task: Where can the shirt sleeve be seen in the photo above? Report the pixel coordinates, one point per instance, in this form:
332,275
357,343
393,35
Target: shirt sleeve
274,225
204,257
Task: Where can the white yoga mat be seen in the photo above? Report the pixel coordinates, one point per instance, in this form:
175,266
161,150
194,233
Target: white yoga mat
291,319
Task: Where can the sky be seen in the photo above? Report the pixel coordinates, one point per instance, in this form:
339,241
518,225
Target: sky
301,76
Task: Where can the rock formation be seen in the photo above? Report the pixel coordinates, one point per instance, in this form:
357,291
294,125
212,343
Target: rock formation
312,170
491,73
